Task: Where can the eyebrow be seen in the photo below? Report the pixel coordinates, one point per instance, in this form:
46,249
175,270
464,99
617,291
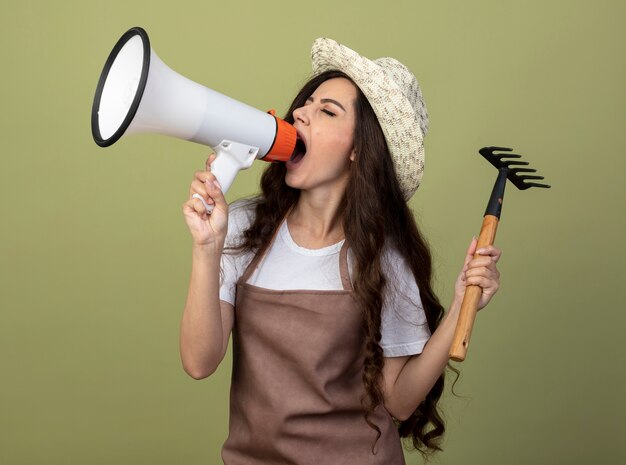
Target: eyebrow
328,100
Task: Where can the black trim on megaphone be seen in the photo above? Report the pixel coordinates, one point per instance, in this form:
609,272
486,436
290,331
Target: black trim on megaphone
95,126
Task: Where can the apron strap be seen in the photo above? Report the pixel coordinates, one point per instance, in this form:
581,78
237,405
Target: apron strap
249,269
344,271
256,261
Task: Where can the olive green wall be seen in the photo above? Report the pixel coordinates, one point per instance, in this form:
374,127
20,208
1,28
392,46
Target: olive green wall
95,255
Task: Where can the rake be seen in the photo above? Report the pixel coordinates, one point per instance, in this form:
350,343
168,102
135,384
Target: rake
507,169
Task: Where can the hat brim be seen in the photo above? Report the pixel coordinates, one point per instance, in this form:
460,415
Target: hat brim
395,114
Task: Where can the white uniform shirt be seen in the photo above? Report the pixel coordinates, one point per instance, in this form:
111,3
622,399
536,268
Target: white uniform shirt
287,266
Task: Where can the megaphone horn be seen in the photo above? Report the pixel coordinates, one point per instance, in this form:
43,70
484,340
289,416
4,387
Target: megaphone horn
138,93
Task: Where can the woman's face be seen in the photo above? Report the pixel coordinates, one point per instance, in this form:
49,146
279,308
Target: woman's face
325,125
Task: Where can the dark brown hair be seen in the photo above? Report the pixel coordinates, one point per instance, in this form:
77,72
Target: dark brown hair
371,193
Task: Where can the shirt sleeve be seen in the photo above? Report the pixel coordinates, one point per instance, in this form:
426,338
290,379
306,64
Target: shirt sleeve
404,327
234,263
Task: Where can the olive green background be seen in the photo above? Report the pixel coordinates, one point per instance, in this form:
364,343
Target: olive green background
95,254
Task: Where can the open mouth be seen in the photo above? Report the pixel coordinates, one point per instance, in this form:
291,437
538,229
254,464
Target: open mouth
299,152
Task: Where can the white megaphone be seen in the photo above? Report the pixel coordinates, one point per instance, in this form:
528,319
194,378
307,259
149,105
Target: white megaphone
138,93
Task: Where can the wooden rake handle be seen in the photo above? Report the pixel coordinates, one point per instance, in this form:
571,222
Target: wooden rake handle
467,314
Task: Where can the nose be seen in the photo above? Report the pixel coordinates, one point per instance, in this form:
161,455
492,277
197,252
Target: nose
300,114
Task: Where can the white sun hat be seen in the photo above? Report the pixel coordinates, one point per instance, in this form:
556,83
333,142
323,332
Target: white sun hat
395,96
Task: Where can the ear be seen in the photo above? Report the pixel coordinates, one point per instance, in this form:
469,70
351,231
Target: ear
353,155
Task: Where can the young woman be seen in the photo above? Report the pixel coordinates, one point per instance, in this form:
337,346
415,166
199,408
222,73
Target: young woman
339,343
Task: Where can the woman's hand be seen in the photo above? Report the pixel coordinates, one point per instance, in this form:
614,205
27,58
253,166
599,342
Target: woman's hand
207,230
480,271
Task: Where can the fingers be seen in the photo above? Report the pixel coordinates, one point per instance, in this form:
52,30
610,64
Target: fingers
471,250
199,188
481,261
486,256
490,251
194,207
200,184
487,277
206,185
488,286
482,271
209,161
484,264
214,191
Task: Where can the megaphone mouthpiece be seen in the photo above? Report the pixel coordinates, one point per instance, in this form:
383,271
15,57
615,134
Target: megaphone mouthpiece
285,141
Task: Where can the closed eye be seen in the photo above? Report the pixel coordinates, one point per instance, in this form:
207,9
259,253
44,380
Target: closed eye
328,112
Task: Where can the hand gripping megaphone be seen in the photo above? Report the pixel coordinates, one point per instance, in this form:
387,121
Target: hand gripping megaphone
138,93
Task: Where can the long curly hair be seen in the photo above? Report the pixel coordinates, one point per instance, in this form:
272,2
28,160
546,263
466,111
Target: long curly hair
371,193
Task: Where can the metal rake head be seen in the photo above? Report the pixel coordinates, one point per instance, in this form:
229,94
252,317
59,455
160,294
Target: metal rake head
521,181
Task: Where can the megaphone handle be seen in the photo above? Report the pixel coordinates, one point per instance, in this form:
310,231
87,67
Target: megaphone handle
231,158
